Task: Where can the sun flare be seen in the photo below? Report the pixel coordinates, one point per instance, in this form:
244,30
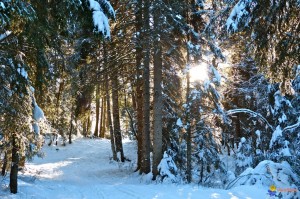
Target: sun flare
199,72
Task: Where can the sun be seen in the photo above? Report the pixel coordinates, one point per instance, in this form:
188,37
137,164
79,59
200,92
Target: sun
199,72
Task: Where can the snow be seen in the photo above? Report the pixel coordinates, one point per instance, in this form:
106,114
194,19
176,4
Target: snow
101,22
243,140
7,33
179,122
3,7
100,19
38,113
167,168
286,151
216,75
258,140
252,113
241,13
275,135
85,170
23,72
235,16
268,173
257,132
283,118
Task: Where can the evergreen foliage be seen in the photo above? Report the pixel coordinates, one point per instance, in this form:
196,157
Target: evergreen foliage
92,71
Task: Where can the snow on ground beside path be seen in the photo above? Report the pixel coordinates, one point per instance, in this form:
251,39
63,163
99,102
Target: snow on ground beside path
83,170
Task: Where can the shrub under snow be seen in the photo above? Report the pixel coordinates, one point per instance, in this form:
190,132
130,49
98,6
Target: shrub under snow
167,168
268,173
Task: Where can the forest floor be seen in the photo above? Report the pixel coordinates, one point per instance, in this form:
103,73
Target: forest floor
83,170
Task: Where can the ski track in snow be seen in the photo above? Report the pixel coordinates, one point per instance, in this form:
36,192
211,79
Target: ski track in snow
83,170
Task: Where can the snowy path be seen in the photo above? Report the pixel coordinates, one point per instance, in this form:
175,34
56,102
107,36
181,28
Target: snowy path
83,171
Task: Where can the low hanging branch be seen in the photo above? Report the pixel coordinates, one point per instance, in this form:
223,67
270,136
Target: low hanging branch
5,35
248,111
292,126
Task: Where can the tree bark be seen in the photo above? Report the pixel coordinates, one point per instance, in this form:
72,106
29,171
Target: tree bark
145,164
13,184
188,134
111,130
89,124
96,131
139,82
158,101
116,116
102,123
84,128
71,129
3,171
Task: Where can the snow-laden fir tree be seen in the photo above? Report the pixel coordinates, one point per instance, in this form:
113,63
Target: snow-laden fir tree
244,156
20,118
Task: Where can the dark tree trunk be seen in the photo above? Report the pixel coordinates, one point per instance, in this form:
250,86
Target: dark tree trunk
116,116
111,130
89,125
188,135
101,118
139,82
145,166
158,101
102,123
13,184
96,132
3,171
133,98
84,130
40,75
71,128
70,132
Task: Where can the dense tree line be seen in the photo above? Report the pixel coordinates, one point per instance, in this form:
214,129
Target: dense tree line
115,69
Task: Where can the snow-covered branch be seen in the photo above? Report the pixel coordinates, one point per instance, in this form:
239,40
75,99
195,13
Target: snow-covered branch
99,18
5,35
248,111
292,126
240,15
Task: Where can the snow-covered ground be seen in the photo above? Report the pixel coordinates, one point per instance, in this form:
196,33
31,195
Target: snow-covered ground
83,170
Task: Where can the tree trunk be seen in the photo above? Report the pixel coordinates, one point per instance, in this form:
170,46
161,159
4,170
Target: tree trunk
96,131
111,130
40,75
84,128
70,132
133,98
89,124
139,82
101,120
145,166
158,101
71,128
116,116
13,184
102,123
3,171
188,134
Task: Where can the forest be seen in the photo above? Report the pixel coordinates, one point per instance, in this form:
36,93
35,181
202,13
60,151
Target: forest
192,83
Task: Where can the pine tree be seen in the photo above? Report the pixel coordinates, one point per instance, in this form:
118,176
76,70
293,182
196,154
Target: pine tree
244,156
